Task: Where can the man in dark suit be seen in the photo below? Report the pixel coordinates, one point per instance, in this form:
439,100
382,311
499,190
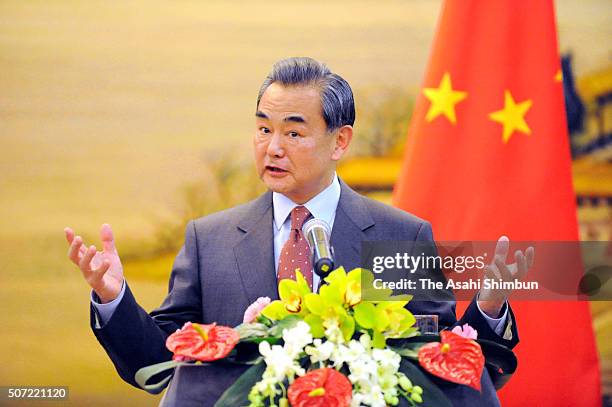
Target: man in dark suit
304,120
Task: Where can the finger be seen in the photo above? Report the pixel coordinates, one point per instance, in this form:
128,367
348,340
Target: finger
84,264
100,271
108,241
505,273
491,272
96,261
69,233
70,238
521,264
502,248
530,256
74,252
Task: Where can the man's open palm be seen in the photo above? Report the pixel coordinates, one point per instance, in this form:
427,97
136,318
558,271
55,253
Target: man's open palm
491,300
102,270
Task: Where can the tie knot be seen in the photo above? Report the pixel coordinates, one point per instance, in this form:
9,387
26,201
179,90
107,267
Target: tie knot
299,214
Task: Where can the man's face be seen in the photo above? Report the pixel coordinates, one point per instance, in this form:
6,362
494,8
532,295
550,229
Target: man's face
294,153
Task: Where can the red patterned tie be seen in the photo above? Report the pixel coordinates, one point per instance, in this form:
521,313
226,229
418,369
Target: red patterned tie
296,252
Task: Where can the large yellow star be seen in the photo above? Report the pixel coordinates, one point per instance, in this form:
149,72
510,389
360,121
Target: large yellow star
443,100
512,116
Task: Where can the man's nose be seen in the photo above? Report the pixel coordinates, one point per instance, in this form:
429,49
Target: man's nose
275,147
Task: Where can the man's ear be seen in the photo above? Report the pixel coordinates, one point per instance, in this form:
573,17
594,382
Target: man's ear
343,137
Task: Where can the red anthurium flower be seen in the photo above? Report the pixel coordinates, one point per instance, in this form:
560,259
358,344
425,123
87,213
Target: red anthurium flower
321,388
456,359
202,342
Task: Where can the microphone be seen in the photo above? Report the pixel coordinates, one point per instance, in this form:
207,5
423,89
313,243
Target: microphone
318,233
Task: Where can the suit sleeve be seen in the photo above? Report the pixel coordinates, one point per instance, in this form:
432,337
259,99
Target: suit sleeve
133,338
444,306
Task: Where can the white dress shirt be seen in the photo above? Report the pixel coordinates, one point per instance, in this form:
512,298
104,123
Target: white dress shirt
322,206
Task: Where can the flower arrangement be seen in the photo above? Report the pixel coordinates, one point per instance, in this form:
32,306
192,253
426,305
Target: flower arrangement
330,349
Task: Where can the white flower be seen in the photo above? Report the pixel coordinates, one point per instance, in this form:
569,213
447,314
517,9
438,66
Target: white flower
387,359
357,399
279,362
266,386
374,397
296,338
372,372
356,350
365,341
360,371
332,331
320,351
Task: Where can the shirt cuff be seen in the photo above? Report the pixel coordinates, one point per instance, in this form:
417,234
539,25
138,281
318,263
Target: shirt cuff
105,311
496,324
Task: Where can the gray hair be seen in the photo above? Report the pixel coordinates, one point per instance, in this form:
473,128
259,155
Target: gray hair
336,95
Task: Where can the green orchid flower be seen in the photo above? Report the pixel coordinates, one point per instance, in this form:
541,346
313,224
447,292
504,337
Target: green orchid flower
368,290
328,316
346,288
328,309
292,294
386,319
394,319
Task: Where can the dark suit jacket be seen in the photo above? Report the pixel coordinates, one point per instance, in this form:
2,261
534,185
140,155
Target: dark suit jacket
227,262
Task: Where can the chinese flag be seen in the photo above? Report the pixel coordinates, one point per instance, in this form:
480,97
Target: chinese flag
488,155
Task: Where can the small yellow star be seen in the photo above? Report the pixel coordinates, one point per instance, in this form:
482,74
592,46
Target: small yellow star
512,116
443,100
559,76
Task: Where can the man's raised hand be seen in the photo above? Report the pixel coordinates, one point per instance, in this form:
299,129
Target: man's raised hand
490,300
102,270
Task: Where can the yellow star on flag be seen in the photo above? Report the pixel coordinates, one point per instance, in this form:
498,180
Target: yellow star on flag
559,76
512,116
443,100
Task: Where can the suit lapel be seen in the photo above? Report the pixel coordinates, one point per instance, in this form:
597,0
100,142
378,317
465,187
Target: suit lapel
352,219
255,251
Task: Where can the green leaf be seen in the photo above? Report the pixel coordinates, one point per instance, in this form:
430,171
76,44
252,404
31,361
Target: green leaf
252,330
286,323
365,314
144,374
432,395
406,349
408,353
237,394
262,319
407,320
409,333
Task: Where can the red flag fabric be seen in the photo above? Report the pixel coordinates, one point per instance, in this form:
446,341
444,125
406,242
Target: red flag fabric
488,155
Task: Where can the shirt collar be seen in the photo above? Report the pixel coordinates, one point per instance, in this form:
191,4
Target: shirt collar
321,206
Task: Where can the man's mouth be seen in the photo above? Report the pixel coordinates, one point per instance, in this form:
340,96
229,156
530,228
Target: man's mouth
276,170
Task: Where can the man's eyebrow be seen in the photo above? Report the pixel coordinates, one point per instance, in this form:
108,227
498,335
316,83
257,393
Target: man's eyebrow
261,115
297,119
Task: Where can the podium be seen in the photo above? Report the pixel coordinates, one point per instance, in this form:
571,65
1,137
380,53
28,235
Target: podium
201,386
